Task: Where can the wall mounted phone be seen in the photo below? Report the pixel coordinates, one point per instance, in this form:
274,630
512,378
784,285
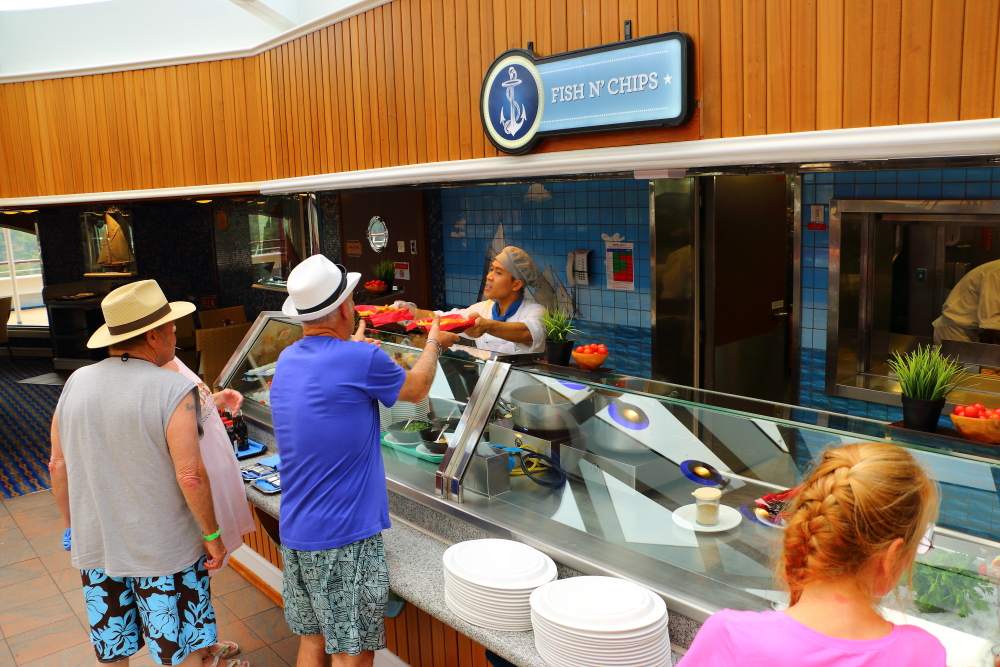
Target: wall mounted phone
576,268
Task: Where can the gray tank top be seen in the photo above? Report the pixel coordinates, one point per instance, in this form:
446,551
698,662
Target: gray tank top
128,514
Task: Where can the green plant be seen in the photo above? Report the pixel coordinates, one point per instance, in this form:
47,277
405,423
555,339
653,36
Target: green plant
558,325
948,581
926,374
384,271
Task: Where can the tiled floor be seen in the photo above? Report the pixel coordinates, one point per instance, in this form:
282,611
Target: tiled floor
43,622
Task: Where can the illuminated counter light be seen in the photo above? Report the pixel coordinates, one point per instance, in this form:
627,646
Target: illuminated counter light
702,473
628,416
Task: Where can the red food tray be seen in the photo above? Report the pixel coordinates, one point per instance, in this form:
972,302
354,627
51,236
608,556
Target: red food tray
381,319
454,326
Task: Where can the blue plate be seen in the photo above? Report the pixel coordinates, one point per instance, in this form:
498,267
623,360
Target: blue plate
253,449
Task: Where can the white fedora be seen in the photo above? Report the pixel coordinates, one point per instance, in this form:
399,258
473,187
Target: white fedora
316,287
134,309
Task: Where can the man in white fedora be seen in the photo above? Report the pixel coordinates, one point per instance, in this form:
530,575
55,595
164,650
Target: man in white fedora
126,468
334,507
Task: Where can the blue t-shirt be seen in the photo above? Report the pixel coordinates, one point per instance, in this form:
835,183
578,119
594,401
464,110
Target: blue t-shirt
323,401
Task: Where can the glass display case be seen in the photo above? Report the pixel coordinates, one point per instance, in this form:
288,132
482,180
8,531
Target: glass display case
107,242
601,468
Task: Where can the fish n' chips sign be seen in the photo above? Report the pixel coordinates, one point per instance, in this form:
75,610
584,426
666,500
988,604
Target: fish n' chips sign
642,82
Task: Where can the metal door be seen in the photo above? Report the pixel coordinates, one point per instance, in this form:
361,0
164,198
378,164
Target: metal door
748,241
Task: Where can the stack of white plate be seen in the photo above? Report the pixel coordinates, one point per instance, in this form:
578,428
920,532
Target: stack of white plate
600,622
488,582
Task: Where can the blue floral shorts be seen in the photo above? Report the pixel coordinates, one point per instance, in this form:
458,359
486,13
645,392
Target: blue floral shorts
173,612
339,593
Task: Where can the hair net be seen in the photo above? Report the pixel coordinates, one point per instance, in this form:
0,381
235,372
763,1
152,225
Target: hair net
519,264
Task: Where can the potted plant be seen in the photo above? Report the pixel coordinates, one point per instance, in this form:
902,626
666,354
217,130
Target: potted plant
558,326
925,378
386,272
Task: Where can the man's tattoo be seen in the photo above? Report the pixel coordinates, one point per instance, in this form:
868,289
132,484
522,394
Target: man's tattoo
189,406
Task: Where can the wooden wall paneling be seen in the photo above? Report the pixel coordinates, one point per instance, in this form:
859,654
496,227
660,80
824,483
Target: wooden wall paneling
193,94
218,126
105,97
433,109
592,23
348,132
438,648
829,64
101,153
543,25
803,65
445,25
230,122
125,107
303,108
395,134
380,94
241,119
319,101
857,63
450,647
979,58
145,150
40,104
645,21
754,67
667,17
490,50
515,39
325,93
298,127
779,88
359,83
404,87
731,67
711,68
425,623
267,114
413,634
473,79
574,25
557,24
156,87
887,16
688,21
611,22
996,86
466,92
418,120
947,28
8,165
914,61
62,153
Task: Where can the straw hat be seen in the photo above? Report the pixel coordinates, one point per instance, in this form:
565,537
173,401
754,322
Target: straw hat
134,309
316,287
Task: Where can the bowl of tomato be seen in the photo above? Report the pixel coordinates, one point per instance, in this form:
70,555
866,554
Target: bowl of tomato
590,357
376,287
977,422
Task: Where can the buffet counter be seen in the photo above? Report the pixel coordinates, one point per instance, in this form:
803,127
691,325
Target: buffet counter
628,453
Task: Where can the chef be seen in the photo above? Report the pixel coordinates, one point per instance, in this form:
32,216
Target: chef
509,321
971,312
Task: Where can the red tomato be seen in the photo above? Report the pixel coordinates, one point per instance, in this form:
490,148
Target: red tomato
960,410
990,413
971,411
979,406
579,349
995,416
602,348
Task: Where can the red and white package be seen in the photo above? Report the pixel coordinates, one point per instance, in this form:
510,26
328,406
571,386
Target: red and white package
382,315
454,324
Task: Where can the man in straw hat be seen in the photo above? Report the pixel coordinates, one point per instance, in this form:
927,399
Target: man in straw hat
324,402
126,468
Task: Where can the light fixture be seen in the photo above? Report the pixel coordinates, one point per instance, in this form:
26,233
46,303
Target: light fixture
34,210
10,212
203,201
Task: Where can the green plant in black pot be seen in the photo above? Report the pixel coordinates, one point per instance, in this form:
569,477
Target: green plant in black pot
385,271
948,581
558,325
926,377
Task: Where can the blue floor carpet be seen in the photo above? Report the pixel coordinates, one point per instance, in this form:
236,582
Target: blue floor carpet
25,417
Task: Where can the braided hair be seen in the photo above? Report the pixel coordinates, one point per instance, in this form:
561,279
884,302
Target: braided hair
858,500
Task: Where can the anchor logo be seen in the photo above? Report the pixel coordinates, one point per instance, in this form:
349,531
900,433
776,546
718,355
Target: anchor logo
517,112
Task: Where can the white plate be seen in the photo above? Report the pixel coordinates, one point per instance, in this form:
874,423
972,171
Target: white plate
388,438
637,656
601,604
557,656
729,518
426,452
498,593
598,638
479,603
501,564
597,647
520,623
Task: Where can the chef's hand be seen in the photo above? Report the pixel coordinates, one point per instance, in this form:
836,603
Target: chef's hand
480,327
359,335
229,398
446,338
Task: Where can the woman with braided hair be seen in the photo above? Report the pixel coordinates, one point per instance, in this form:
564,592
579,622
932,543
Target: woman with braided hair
855,529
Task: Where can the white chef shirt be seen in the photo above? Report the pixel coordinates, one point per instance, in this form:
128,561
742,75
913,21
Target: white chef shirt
529,312
973,304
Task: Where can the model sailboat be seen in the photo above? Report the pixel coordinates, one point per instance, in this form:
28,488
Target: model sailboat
115,253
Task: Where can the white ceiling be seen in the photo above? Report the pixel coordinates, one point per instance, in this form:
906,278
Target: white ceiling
83,34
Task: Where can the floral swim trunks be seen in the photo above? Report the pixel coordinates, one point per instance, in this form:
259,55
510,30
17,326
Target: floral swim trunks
173,612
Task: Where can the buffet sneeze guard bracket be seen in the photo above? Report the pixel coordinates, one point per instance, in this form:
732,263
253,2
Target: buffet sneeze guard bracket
449,476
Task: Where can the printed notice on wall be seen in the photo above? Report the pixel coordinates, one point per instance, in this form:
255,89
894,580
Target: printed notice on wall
620,267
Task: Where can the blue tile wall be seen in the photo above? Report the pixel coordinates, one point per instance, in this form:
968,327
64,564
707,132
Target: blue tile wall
969,510
548,224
